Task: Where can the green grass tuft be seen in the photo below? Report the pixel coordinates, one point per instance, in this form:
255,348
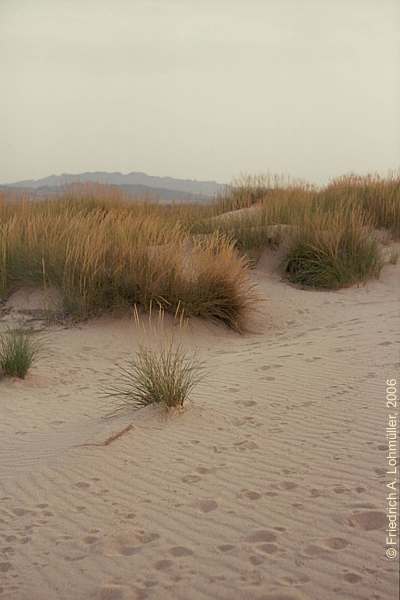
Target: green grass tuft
332,252
165,377
18,351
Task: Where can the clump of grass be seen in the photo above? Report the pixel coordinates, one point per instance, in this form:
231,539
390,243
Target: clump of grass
18,351
332,251
108,257
104,252
378,197
248,190
165,377
217,285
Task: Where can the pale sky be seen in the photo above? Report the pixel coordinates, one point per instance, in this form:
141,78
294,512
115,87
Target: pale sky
201,89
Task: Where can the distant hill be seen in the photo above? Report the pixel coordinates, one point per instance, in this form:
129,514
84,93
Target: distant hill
134,184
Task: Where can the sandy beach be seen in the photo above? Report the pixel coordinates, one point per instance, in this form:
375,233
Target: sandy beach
270,485
199,300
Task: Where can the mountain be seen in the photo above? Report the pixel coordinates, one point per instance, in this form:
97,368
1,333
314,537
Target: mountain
134,183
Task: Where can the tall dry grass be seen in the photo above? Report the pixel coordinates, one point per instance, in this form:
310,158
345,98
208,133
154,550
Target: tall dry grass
103,250
376,196
332,251
252,205
284,198
103,255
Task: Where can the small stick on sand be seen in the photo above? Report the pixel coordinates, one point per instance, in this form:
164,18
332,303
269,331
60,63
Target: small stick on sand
110,439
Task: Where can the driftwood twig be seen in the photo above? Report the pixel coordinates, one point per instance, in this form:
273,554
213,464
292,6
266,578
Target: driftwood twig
111,438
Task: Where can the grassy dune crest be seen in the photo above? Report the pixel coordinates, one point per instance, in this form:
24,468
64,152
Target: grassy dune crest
275,201
103,258
104,251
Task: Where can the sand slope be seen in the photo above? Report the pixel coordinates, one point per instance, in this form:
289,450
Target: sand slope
270,486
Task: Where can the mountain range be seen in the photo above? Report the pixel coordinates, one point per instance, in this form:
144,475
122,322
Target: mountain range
134,184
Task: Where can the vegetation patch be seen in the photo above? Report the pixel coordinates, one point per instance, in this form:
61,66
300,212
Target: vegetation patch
165,377
18,351
332,252
103,252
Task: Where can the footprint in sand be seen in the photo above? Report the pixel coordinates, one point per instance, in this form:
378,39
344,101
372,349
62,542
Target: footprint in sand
294,580
261,535
335,543
204,470
180,551
191,479
249,495
90,539
129,543
164,564
340,489
256,559
219,449
368,520
245,445
226,547
206,506
118,592
248,403
288,485
352,577
268,548
20,512
82,484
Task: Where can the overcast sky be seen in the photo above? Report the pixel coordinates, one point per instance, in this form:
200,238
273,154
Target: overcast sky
203,89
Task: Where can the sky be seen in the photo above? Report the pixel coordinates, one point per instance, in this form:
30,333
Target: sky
204,89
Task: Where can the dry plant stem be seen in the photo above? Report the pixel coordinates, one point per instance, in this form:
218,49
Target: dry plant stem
111,439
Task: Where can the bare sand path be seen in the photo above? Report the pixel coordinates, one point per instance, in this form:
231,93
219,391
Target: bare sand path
270,486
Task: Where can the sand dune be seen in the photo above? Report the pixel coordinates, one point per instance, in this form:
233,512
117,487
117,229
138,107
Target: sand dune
269,486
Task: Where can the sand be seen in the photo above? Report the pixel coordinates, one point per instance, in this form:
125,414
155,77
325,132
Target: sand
269,486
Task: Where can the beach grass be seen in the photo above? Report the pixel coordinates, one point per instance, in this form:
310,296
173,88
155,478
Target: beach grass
331,251
103,258
104,251
165,377
18,351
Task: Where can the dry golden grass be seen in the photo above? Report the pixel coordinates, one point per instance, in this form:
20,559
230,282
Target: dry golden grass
108,254
378,197
104,251
332,251
274,201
